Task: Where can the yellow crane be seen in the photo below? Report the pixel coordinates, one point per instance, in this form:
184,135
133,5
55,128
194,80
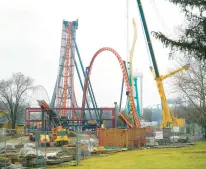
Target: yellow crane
166,116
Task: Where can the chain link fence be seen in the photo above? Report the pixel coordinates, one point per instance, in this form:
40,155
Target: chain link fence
11,142
175,137
36,149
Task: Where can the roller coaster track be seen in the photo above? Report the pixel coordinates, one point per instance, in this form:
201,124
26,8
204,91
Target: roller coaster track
125,120
131,53
128,88
66,73
131,78
49,111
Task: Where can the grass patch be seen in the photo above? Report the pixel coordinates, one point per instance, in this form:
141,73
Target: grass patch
192,157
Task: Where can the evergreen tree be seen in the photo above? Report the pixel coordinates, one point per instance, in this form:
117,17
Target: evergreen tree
192,40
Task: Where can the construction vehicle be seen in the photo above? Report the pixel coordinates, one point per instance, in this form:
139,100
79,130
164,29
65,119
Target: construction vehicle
60,136
31,136
31,132
103,124
167,120
44,140
178,121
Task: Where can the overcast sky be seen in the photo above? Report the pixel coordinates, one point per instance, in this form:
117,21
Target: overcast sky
30,36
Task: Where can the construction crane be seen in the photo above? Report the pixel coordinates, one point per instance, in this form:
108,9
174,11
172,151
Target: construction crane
167,120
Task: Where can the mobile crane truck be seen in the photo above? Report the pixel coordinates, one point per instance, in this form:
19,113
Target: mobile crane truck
167,120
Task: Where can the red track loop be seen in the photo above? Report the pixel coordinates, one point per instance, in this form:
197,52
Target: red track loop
126,80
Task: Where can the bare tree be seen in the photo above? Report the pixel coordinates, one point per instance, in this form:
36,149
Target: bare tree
13,92
191,87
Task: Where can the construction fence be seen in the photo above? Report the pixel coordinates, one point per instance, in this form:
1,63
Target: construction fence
37,149
122,138
19,148
176,136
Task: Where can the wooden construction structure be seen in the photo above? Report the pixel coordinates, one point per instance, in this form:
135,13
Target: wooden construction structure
116,137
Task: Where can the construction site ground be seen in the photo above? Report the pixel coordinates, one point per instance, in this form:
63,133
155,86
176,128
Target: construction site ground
21,149
190,157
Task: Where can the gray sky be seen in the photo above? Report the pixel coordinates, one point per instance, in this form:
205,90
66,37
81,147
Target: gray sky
30,36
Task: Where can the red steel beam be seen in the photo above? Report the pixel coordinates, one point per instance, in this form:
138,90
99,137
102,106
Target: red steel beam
34,120
34,109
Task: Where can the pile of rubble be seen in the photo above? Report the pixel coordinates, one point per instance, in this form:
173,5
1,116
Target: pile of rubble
5,164
31,156
7,151
36,158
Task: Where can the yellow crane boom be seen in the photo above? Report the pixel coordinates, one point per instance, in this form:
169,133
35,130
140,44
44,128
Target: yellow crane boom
166,116
185,67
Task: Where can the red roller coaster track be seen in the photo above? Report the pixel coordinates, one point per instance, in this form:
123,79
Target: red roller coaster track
128,89
66,72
